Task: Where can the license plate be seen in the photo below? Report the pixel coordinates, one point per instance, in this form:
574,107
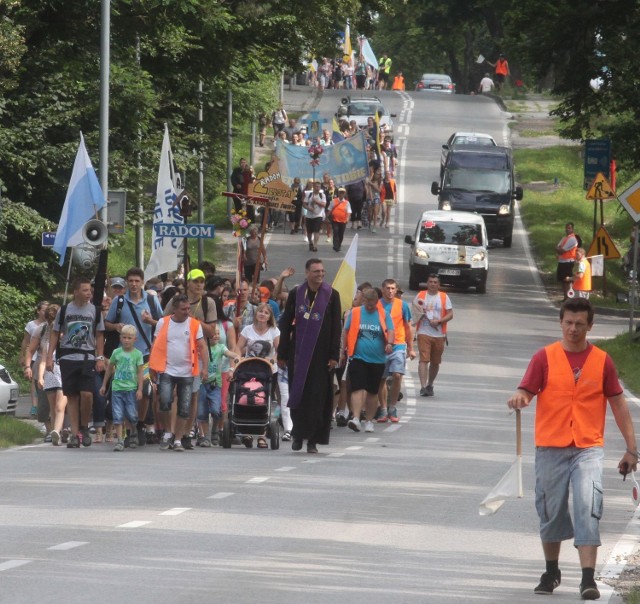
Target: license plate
436,86
449,272
13,394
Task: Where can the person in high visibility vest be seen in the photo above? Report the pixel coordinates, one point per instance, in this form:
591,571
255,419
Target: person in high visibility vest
582,278
339,215
566,251
384,71
573,380
398,82
501,70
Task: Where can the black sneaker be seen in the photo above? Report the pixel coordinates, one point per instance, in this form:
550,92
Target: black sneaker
589,591
73,442
133,440
548,583
142,436
341,420
187,443
86,437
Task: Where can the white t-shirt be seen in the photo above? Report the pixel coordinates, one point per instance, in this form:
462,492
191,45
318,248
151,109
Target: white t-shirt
486,84
431,309
33,328
260,344
315,210
178,346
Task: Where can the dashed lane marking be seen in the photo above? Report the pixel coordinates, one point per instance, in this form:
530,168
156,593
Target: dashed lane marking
9,564
285,469
174,511
68,545
257,480
220,495
134,524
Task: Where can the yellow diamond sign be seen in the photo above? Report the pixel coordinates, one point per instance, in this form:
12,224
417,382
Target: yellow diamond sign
630,199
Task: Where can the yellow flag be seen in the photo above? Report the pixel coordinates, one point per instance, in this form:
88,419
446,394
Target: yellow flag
345,281
347,43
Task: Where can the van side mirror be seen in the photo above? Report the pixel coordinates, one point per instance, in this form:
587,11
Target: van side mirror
445,147
435,188
393,115
409,239
518,193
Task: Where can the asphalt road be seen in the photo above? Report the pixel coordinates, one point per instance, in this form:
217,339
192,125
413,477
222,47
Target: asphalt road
376,518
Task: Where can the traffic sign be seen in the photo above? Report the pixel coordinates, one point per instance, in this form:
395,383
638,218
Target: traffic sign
597,158
48,239
603,245
190,231
600,188
630,199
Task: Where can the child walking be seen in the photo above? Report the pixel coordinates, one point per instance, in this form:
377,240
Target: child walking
126,367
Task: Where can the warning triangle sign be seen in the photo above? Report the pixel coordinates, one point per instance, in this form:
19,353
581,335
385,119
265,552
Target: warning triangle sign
600,188
603,245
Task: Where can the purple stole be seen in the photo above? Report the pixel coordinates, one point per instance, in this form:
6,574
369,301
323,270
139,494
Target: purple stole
308,324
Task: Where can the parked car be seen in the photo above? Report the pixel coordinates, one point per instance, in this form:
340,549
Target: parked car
8,392
436,82
481,179
361,108
458,139
451,244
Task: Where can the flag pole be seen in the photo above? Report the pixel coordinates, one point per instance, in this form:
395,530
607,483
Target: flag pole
66,285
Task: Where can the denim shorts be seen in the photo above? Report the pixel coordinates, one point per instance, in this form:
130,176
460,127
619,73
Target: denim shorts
559,470
124,404
183,386
396,362
209,402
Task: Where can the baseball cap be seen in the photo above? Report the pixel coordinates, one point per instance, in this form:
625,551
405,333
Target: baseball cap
118,282
341,189
196,273
265,294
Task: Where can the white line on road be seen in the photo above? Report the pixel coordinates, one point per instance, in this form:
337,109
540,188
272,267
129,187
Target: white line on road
316,460
372,439
174,511
285,469
392,428
9,564
354,448
257,480
220,495
67,545
134,524
335,455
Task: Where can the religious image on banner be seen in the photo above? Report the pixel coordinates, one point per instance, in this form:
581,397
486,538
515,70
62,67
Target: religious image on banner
346,161
269,184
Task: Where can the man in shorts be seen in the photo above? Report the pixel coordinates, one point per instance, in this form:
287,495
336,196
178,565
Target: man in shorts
315,202
402,345
566,251
434,310
81,337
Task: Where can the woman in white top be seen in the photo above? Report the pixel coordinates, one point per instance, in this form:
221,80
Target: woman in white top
260,339
26,361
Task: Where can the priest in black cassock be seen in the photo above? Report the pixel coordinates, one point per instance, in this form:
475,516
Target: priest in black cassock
310,328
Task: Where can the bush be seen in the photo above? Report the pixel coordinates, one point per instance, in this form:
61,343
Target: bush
17,311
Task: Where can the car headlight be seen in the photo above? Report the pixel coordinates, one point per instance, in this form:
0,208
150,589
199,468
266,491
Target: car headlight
446,205
504,210
478,257
422,254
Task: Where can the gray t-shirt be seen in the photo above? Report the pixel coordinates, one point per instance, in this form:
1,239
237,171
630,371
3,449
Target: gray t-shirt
77,332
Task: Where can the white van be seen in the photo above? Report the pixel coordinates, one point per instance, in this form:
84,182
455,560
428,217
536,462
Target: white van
452,245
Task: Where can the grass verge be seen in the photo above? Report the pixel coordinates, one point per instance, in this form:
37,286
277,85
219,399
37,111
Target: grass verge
14,432
625,353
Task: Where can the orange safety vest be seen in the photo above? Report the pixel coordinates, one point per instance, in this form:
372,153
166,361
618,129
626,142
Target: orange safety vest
443,303
158,357
398,321
571,254
339,211
502,67
398,83
570,413
583,284
354,327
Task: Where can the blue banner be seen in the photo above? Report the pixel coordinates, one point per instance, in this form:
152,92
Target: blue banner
345,161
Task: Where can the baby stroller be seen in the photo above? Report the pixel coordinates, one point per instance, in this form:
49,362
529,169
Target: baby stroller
252,402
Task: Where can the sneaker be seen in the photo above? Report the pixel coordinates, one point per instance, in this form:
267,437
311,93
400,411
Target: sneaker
354,424
177,445
215,438
142,436
368,426
133,441
187,443
165,443
393,415
548,582
86,437
119,445
428,390
589,591
341,420
423,391
73,442
55,437
286,437
64,436
374,231
204,442
150,438
382,415
47,438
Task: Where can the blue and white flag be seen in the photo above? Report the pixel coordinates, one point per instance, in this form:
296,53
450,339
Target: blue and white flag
84,199
164,255
367,53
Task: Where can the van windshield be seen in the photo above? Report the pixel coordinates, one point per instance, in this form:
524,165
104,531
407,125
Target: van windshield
451,233
488,161
468,179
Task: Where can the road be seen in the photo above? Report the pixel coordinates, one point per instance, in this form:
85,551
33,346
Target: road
376,518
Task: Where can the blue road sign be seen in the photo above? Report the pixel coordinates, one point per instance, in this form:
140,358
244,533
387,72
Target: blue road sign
48,239
597,158
191,231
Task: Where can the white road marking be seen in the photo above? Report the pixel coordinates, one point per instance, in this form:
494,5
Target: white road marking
67,545
392,428
335,455
220,495
257,480
354,448
9,564
134,524
174,511
315,460
285,469
372,439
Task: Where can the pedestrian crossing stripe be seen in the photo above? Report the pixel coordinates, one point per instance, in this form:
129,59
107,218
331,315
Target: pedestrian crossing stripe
603,245
600,188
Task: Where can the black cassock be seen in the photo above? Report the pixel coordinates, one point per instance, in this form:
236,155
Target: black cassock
312,419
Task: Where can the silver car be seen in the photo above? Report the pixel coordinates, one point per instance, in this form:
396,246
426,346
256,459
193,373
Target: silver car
436,82
8,392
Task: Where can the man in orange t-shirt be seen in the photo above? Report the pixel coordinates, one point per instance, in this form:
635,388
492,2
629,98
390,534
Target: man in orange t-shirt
572,380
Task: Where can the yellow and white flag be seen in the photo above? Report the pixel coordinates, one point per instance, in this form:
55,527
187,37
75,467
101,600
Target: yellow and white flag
345,281
347,43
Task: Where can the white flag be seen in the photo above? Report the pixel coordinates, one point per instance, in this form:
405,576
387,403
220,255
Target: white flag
509,487
164,255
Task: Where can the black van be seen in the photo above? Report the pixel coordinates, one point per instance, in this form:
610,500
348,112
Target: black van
480,179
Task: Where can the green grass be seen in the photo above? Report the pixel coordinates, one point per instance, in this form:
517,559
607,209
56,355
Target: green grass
634,597
14,432
624,352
